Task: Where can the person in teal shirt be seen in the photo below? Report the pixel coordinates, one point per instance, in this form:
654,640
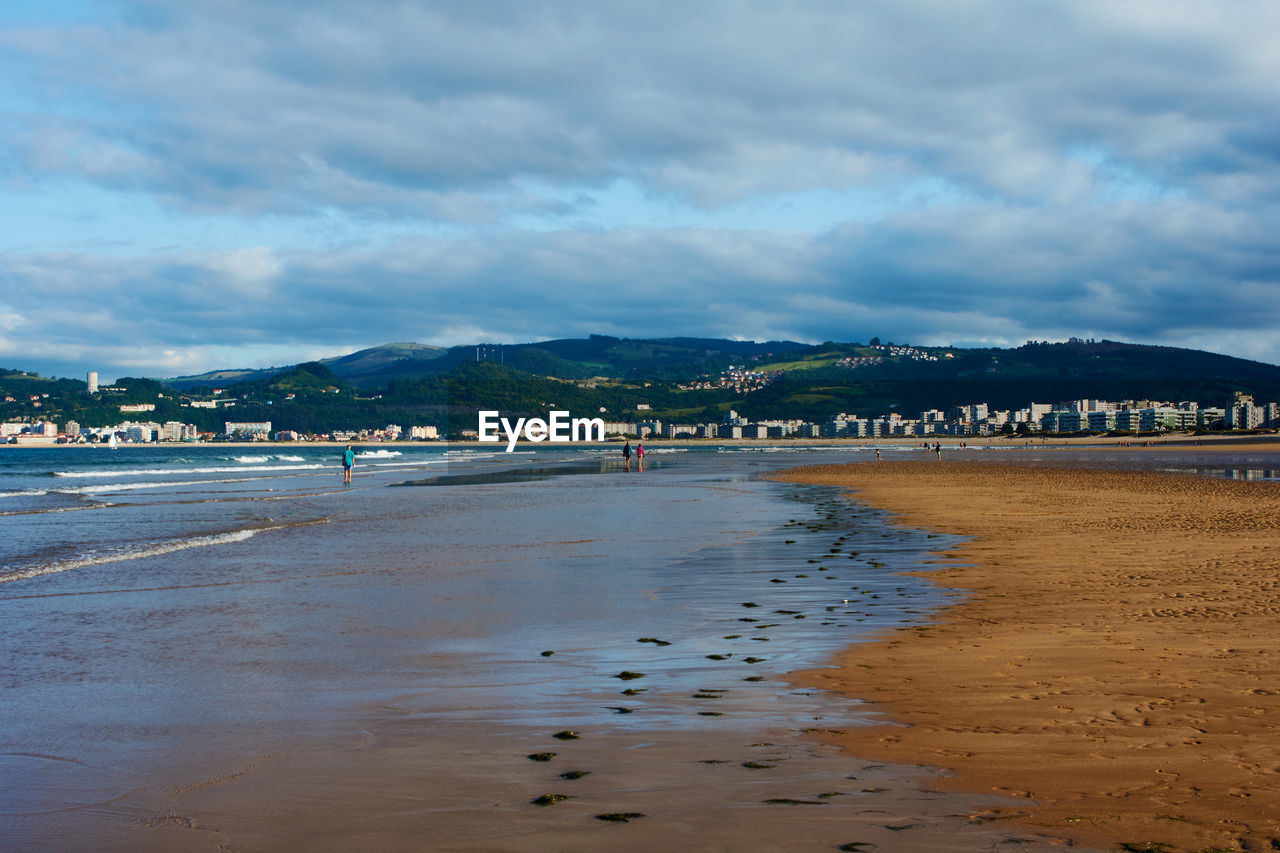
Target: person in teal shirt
348,462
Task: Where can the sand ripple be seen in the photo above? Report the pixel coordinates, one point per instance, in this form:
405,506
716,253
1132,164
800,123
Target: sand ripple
1117,663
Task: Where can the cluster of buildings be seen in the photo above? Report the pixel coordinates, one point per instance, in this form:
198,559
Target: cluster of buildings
391,432
134,432
853,362
891,351
1075,416
262,431
741,380
47,432
909,353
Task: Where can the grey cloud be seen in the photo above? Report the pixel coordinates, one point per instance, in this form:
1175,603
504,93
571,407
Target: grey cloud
1167,273
1105,169
403,108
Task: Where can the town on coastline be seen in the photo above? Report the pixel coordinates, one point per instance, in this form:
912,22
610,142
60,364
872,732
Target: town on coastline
1074,417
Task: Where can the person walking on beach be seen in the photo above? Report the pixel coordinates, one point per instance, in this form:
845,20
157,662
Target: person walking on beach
348,462
937,449
639,456
626,454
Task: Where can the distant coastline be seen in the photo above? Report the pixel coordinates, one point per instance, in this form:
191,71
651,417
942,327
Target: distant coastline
952,443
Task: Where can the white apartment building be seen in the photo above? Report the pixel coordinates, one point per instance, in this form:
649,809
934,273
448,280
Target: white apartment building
1101,420
255,430
178,431
619,428
1036,411
1129,420
140,433
1244,413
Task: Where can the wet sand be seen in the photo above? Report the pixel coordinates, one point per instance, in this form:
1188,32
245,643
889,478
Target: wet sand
711,790
1116,666
378,681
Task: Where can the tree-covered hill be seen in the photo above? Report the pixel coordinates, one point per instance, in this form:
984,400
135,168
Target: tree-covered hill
1012,378
570,358
627,380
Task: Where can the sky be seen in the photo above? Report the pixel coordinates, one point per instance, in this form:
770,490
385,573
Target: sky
230,183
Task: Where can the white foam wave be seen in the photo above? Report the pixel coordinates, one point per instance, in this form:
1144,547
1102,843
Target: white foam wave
377,454
168,472
52,510
251,460
31,493
413,461
126,487
152,550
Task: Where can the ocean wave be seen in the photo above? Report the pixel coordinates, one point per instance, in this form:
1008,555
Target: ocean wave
168,472
409,463
154,549
136,553
31,493
131,554
48,510
377,454
251,460
126,487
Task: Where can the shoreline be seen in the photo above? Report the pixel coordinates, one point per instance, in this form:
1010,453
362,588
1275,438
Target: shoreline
1113,666
379,680
1179,441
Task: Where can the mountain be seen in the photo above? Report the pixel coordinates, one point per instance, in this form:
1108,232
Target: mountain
672,379
1012,378
570,358
411,382
374,361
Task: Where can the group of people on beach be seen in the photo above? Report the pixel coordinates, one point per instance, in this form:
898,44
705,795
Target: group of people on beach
626,455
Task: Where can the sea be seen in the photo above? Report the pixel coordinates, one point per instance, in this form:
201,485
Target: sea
214,647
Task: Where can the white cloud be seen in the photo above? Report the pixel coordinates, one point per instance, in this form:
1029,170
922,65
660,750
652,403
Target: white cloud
11,320
986,169
397,110
248,272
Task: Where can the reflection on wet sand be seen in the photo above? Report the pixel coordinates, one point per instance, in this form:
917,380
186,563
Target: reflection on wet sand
379,681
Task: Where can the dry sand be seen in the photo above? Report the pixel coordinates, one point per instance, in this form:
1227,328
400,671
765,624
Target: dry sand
1118,663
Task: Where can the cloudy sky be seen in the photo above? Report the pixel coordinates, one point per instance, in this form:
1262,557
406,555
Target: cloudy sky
226,183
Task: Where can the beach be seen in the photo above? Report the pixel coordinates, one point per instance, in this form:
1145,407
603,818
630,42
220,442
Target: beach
214,648
1114,666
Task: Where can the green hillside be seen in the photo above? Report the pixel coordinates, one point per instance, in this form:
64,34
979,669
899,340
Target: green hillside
570,358
622,379
1012,378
